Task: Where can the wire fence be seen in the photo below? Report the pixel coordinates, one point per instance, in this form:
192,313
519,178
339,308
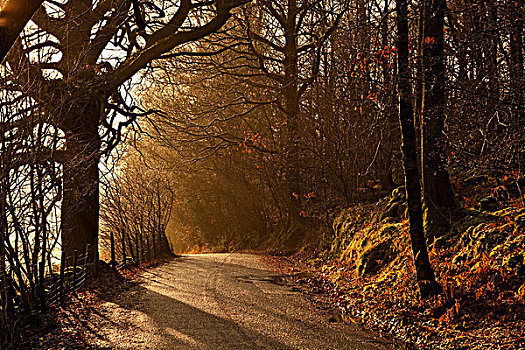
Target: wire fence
32,294
33,299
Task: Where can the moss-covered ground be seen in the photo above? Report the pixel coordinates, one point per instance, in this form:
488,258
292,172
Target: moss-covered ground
367,269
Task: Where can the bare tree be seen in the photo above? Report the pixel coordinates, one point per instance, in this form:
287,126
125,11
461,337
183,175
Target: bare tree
424,274
439,197
30,199
136,207
91,49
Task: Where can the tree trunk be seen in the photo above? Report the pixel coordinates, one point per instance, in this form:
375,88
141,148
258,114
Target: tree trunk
516,64
424,273
165,248
438,193
80,203
491,54
418,86
291,105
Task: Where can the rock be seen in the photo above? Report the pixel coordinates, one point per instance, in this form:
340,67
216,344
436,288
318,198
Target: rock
484,238
515,262
399,193
459,259
375,257
391,211
396,205
489,203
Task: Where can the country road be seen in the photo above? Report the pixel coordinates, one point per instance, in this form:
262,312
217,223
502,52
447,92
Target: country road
221,301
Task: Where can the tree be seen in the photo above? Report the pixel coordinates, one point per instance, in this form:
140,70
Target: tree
267,60
439,196
89,50
515,10
136,207
287,39
29,198
424,273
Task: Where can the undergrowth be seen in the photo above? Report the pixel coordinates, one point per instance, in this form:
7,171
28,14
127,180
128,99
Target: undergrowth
368,270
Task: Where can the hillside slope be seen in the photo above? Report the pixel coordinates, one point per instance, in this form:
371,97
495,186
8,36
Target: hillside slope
480,262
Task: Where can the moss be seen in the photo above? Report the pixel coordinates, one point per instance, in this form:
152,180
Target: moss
437,222
399,193
469,217
519,224
374,257
515,263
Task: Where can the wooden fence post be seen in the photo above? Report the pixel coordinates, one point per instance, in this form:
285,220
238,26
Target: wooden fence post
137,251
86,260
112,242
153,244
148,247
62,270
123,247
75,263
41,289
95,260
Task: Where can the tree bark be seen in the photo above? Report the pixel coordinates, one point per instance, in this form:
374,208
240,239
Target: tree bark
80,202
438,194
491,54
424,274
14,16
516,56
291,106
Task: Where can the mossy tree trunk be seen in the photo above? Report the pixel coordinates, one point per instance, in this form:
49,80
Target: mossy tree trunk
424,273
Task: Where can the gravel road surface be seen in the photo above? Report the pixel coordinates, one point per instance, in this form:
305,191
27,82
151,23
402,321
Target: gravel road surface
221,302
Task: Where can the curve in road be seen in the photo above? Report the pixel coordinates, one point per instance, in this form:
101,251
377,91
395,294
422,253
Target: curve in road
222,302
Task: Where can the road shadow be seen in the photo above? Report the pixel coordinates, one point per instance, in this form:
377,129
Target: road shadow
166,300
183,326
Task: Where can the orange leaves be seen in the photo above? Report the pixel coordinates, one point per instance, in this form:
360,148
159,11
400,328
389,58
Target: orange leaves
307,195
429,41
252,141
370,61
